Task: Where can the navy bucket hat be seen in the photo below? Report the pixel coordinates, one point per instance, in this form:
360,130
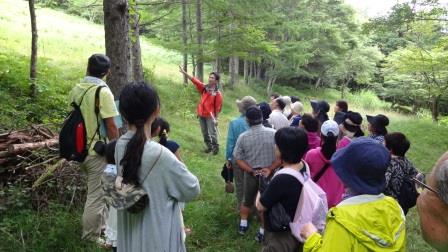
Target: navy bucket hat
362,165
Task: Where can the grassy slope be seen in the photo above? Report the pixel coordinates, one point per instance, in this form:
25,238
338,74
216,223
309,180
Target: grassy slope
65,42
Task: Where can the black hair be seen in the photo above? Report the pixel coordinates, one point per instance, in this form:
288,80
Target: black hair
328,145
275,95
397,143
109,152
294,99
98,65
265,109
217,77
164,130
292,143
138,101
310,123
280,103
378,124
342,105
356,118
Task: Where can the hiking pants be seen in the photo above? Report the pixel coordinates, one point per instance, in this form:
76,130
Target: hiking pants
95,211
209,132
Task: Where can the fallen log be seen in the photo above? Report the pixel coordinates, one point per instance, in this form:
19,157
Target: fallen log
18,148
48,172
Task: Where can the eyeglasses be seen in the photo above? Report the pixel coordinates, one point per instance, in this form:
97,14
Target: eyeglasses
420,184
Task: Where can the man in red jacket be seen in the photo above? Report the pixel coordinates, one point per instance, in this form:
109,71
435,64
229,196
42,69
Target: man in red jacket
208,109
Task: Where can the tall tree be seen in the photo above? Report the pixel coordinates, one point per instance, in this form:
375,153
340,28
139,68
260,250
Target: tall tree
136,54
33,62
116,29
184,39
200,39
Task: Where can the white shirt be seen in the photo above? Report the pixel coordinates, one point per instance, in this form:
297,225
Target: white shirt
278,120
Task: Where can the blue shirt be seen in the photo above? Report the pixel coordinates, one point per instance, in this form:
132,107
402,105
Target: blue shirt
296,120
236,127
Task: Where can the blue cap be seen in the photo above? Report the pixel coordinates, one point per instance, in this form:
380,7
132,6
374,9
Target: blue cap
362,165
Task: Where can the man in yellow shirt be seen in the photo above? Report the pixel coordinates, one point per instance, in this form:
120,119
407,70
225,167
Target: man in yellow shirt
98,67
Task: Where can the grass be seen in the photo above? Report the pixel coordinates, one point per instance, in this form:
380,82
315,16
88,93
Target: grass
65,42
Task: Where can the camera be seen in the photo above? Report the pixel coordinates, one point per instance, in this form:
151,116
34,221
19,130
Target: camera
100,148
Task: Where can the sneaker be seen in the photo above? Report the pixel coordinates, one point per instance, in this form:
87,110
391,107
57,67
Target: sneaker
259,237
243,230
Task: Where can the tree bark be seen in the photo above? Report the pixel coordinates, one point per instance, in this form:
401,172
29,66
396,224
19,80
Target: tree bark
233,70
200,55
344,85
33,62
317,84
435,108
136,52
116,29
246,71
184,39
17,148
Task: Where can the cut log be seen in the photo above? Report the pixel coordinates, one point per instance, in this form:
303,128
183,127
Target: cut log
41,132
18,148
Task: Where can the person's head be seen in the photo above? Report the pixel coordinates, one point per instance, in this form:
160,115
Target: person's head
245,103
329,132
352,124
291,144
254,116
286,100
294,99
98,65
139,106
277,103
297,108
362,166
265,109
397,143
213,78
109,152
377,124
274,96
432,207
319,107
160,127
309,123
341,106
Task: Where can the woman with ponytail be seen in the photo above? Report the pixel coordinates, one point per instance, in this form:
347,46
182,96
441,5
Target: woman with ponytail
161,128
145,163
321,170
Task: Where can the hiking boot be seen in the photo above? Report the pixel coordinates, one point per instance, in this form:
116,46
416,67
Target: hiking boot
243,230
259,237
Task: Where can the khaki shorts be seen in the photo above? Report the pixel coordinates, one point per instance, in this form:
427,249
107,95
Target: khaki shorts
250,190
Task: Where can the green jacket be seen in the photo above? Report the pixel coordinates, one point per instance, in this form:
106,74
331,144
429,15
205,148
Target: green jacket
362,223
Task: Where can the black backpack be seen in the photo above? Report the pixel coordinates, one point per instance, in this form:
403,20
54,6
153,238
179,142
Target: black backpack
408,194
73,143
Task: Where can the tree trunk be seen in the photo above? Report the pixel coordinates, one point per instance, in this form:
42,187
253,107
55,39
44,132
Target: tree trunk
190,30
344,85
116,28
435,108
33,63
246,71
258,69
233,70
137,67
317,84
271,82
184,38
200,56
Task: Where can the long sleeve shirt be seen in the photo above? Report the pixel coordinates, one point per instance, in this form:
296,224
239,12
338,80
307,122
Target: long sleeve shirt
211,100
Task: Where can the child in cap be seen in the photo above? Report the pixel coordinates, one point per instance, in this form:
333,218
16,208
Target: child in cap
321,170
296,113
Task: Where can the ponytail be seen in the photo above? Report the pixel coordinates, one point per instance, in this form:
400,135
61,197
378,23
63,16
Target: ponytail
132,158
329,145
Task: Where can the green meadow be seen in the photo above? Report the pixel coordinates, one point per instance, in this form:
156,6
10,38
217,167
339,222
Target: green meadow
65,43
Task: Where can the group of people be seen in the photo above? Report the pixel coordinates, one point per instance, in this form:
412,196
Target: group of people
355,172
368,180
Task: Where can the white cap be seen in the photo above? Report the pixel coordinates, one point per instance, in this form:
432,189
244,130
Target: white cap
297,107
330,126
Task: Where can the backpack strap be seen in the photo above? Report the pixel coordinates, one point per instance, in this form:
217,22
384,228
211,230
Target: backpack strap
300,176
82,97
97,113
321,172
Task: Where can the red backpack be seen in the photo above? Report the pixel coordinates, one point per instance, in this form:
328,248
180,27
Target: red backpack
73,143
